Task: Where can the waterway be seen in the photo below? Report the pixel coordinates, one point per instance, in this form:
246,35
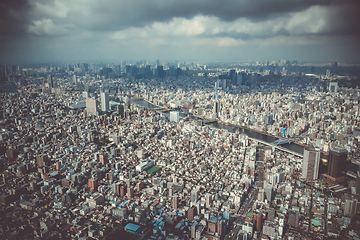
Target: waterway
253,134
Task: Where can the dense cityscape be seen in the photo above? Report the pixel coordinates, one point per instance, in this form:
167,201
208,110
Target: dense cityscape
180,150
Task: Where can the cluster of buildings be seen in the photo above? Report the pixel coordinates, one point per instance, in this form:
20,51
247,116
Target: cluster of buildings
82,159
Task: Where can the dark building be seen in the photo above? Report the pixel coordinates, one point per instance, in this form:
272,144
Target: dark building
337,164
233,76
160,71
42,160
294,219
175,201
311,161
357,185
191,213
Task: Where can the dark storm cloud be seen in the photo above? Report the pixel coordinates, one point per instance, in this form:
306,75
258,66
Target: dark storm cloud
13,18
117,15
114,15
52,26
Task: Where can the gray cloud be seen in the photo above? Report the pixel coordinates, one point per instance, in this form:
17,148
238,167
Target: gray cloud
225,23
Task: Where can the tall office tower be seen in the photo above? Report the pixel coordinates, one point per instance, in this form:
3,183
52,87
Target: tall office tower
337,164
239,79
193,230
208,200
160,71
357,185
350,206
157,62
175,201
93,184
216,107
85,67
269,192
174,116
224,83
130,192
75,79
117,188
233,76
104,96
311,161
91,107
42,160
51,81
103,158
194,195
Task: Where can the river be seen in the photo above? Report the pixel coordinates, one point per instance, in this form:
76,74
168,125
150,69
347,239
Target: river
253,134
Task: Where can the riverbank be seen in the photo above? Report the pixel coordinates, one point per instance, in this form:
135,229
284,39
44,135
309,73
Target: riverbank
233,128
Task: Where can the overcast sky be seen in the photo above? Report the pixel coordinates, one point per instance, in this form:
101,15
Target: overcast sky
183,30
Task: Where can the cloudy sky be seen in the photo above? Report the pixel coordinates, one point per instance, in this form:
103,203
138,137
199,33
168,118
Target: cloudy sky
183,30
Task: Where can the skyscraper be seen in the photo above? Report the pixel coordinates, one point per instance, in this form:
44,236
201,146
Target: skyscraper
91,107
224,83
194,195
311,161
216,107
350,206
104,96
337,164
51,81
175,200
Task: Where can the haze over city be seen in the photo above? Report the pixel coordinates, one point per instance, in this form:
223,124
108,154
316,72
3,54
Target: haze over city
73,30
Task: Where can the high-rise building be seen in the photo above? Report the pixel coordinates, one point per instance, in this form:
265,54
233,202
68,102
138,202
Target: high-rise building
337,164
191,213
51,81
208,200
233,77
174,116
104,96
116,188
350,207
130,192
194,195
42,160
357,185
103,158
193,230
239,79
269,192
175,201
216,107
91,107
160,71
93,184
311,161
224,83
293,220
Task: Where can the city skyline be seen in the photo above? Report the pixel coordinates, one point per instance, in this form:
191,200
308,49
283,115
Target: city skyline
61,30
